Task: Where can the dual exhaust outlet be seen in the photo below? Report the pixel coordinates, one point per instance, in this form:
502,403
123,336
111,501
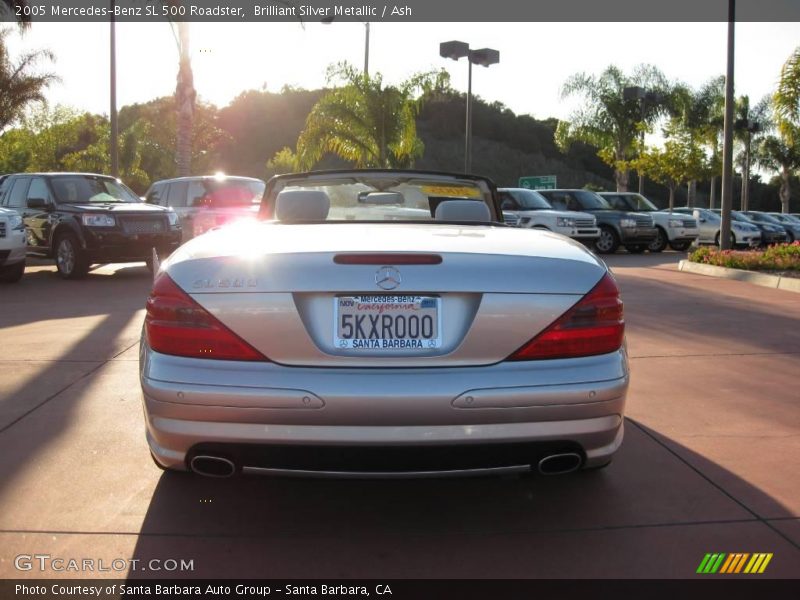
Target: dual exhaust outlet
220,467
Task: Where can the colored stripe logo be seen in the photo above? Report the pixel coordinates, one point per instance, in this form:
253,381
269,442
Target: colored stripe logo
734,563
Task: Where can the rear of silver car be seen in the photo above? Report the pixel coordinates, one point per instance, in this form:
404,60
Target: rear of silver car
334,349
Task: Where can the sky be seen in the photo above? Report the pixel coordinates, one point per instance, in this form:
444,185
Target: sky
535,58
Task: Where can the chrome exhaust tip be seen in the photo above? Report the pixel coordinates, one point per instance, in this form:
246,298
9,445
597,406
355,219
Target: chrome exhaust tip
560,464
212,466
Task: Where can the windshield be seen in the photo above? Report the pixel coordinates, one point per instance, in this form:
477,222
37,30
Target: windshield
80,189
635,202
388,196
764,219
575,200
530,200
226,192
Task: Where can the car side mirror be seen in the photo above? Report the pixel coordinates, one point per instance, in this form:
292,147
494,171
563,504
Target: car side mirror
38,203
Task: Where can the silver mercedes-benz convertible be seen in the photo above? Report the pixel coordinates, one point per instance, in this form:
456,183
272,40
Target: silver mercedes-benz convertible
382,323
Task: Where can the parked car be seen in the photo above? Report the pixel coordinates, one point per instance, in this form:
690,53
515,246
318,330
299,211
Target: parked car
510,218
770,233
534,212
742,233
207,201
677,231
634,230
331,338
12,246
80,219
791,228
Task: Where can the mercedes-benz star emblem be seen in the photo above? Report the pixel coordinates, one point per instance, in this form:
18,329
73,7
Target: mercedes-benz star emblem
388,278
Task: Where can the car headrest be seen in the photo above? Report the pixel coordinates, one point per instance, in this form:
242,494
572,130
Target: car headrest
463,210
302,205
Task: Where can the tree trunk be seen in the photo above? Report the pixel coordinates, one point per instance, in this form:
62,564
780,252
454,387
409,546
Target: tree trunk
621,178
185,96
712,202
691,193
672,197
785,192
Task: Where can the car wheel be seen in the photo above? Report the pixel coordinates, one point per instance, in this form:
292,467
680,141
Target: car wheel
71,260
661,241
733,239
12,273
680,246
608,242
636,248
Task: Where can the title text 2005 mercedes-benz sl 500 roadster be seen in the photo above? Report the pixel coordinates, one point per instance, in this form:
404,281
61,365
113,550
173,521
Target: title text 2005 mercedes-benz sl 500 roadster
382,323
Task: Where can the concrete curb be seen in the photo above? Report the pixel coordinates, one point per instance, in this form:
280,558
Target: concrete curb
791,284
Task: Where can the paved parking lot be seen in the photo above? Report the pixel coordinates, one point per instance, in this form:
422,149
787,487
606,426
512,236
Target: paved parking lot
709,463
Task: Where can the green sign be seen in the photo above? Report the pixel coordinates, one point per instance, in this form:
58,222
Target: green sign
540,182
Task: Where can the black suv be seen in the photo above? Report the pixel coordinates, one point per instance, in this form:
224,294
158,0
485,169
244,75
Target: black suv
81,218
634,230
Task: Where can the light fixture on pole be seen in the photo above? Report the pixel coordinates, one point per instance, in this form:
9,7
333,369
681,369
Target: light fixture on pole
329,20
484,57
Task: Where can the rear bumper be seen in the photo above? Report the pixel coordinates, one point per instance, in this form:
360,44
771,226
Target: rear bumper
191,405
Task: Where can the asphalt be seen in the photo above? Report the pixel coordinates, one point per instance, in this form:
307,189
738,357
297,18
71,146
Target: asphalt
709,463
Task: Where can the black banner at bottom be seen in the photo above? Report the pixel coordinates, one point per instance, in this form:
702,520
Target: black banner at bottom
396,589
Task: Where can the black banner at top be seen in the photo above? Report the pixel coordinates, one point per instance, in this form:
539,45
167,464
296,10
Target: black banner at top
402,11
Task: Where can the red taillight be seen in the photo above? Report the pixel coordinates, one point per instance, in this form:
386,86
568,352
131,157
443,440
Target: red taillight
177,325
593,326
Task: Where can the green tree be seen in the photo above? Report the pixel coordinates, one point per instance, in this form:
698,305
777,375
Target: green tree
364,121
20,86
787,96
607,120
777,154
284,161
700,115
679,161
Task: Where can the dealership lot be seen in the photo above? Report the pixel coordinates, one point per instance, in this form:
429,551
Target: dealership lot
709,462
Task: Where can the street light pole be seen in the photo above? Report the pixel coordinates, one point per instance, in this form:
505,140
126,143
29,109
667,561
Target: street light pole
727,145
329,20
641,149
468,128
113,145
483,57
366,49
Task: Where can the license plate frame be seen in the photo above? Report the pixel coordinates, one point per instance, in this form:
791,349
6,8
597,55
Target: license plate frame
425,304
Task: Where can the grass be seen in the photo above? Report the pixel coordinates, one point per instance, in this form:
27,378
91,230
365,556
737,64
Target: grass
778,258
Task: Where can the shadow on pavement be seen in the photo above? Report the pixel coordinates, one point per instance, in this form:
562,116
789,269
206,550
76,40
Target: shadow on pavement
648,514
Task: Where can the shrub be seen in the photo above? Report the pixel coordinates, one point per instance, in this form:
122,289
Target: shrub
778,257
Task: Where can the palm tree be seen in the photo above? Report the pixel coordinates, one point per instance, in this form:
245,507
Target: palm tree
699,114
608,120
19,87
777,154
787,96
9,8
185,99
364,121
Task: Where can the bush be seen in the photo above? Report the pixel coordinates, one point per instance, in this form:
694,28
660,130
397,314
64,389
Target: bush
778,257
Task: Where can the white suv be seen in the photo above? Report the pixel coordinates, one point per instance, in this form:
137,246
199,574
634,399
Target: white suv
535,212
12,246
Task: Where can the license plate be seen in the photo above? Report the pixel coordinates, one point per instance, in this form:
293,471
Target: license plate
387,322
